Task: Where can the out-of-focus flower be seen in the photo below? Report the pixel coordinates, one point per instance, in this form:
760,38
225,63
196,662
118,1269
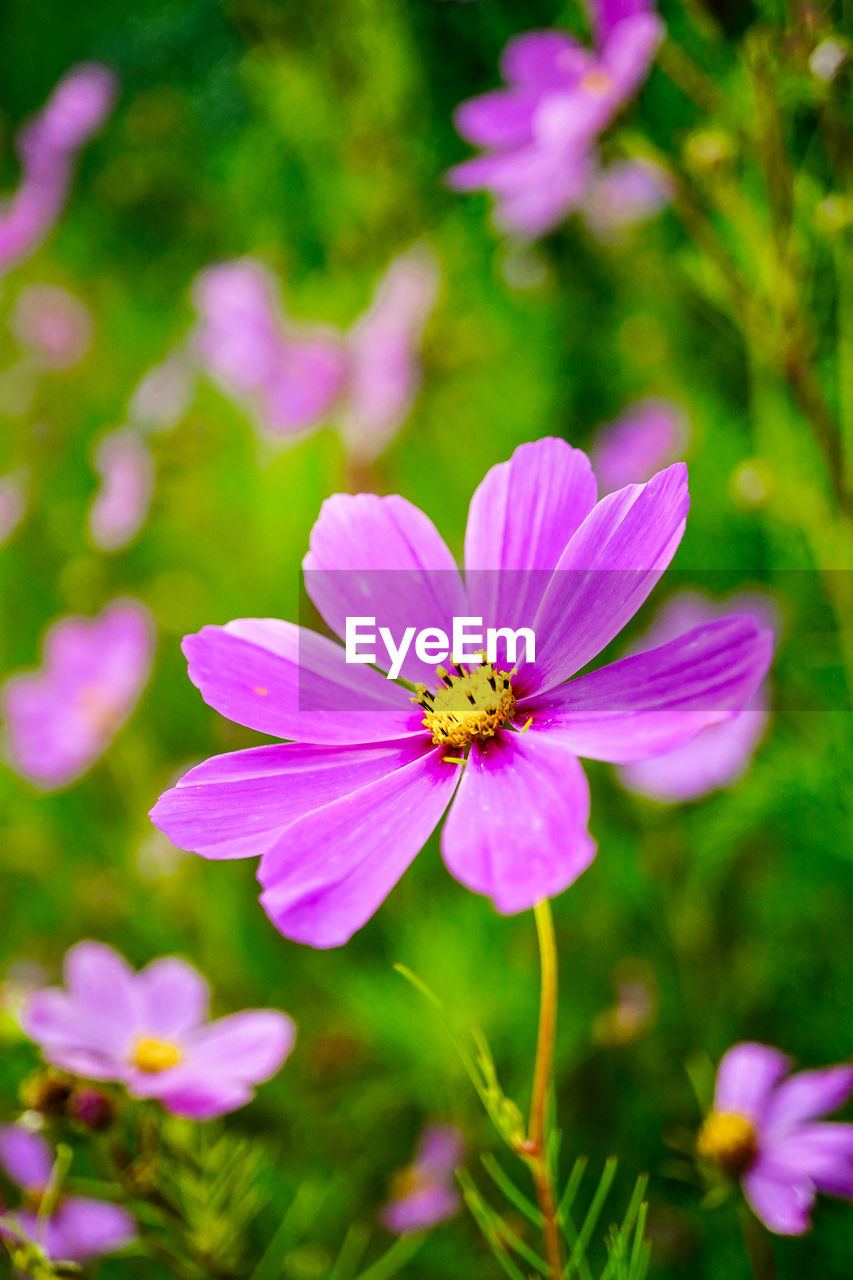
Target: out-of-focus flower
293,379
79,1228
767,1131
540,552
539,132
126,468
647,436
633,1011
624,194
425,1194
54,324
163,395
13,502
720,754
92,1108
61,718
151,1031
47,147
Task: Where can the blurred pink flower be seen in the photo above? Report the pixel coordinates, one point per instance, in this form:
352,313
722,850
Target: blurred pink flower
425,1194
624,194
164,393
151,1031
767,1129
47,146
540,131
720,754
54,324
126,469
649,435
79,1228
13,502
62,717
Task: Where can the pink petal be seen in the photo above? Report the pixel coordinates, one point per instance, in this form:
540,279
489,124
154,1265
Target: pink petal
783,1204
249,1047
333,868
808,1095
26,1158
517,828
175,998
498,119
544,60
746,1077
87,1228
823,1153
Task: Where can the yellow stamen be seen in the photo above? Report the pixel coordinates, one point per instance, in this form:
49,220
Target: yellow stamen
153,1055
467,705
729,1140
526,725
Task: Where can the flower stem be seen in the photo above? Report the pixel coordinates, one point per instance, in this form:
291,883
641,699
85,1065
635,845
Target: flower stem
758,1248
536,1150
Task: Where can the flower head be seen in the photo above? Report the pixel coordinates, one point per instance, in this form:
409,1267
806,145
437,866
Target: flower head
121,504
54,324
61,718
151,1031
767,1131
337,815
540,131
624,194
425,1194
79,1228
47,146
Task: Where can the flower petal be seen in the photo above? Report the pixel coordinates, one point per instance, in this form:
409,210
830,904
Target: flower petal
249,1046
656,701
88,1228
783,1204
544,60
383,558
823,1153
441,1150
606,572
238,805
175,996
26,1158
522,515
607,14
287,681
517,828
498,119
102,986
809,1095
746,1077
332,869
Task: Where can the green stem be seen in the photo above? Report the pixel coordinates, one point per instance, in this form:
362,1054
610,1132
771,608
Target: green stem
758,1248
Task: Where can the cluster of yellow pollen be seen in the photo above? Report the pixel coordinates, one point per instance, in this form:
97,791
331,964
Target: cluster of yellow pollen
467,704
153,1055
729,1140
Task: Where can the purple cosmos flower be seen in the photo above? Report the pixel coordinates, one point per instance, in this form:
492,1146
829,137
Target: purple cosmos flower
720,754
767,1130
47,146
425,1194
13,502
624,194
649,435
539,132
339,814
150,1030
61,718
56,326
79,1228
121,504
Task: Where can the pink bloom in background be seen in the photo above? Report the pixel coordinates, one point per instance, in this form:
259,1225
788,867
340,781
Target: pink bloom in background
338,815
720,755
61,718
649,435
13,502
47,146
540,131
164,393
624,194
425,1194
151,1031
767,1130
56,326
291,378
79,1229
126,468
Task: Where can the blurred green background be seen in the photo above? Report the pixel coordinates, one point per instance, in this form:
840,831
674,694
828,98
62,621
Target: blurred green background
315,136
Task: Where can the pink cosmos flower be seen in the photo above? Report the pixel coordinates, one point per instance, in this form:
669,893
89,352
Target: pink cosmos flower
720,754
79,1229
47,146
293,379
163,395
425,1194
647,436
121,504
13,502
151,1031
54,324
767,1130
539,132
624,194
338,815
61,718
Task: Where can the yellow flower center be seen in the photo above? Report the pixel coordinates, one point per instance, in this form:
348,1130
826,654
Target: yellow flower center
729,1140
467,704
151,1054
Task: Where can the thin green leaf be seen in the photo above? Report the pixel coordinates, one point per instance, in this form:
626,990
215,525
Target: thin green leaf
401,1252
504,1183
591,1220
